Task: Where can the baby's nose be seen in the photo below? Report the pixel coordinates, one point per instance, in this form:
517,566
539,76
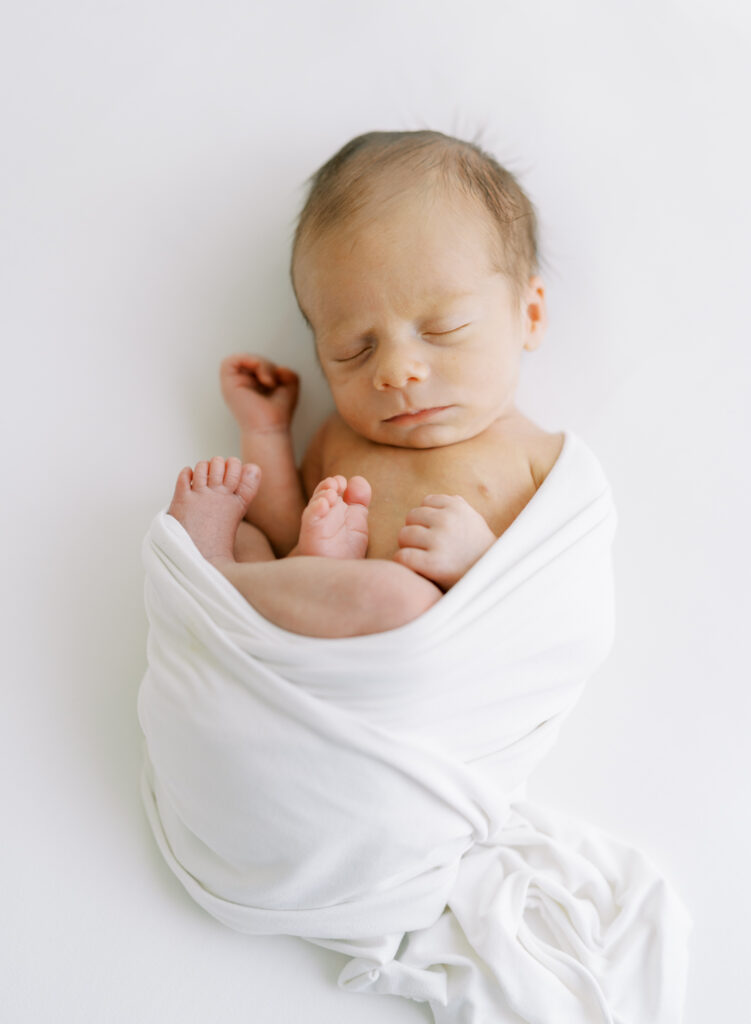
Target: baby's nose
397,369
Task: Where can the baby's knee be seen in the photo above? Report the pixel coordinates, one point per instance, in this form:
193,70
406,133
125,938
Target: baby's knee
404,595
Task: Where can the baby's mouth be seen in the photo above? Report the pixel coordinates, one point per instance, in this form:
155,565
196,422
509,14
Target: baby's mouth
418,415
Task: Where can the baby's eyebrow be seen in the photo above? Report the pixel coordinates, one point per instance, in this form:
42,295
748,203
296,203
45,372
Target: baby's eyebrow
449,297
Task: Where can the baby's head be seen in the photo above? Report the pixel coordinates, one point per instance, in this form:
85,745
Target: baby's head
415,262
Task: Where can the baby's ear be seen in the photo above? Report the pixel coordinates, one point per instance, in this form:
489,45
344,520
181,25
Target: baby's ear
535,313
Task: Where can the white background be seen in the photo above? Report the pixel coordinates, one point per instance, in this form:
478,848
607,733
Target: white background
153,156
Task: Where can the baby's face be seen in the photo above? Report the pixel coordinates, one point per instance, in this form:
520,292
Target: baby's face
419,337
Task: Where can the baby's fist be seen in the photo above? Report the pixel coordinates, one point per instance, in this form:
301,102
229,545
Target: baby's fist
260,394
443,538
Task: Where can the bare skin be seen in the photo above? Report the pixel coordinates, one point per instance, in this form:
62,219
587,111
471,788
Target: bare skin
211,501
420,337
322,592
334,523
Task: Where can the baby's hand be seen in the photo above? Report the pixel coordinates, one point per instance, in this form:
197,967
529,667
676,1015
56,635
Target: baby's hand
442,538
260,395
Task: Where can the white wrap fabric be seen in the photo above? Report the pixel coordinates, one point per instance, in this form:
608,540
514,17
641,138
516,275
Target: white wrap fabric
367,793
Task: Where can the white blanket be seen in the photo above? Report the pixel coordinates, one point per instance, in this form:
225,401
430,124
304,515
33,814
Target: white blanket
367,793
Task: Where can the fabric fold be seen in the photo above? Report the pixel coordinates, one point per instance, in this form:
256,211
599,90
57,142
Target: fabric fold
367,793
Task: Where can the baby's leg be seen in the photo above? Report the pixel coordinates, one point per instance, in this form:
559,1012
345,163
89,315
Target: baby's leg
315,596
252,545
334,524
327,597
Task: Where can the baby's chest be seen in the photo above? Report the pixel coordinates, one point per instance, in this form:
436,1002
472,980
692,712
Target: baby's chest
497,487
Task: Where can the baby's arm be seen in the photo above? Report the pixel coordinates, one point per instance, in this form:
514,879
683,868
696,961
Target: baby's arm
443,538
262,398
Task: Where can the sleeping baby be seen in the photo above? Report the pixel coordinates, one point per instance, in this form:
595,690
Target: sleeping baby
415,265
367,793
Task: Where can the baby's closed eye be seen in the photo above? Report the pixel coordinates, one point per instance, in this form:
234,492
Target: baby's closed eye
444,332
352,356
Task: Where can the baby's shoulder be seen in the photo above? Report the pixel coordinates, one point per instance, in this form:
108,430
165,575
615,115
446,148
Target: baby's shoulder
544,449
522,443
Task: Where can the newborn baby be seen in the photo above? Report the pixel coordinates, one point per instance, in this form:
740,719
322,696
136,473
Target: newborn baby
415,265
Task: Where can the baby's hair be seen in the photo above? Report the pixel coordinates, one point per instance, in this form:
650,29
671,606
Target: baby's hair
345,183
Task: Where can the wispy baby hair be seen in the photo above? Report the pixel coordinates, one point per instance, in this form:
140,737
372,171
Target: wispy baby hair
345,183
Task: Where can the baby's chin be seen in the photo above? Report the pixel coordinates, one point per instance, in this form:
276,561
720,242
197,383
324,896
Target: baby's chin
420,435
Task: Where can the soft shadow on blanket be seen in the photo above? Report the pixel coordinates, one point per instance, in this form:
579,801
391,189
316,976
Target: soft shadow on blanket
367,794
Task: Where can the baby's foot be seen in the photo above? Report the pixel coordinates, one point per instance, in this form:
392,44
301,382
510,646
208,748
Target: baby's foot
210,502
335,523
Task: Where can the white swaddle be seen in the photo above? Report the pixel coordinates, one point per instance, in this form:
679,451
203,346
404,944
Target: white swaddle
366,793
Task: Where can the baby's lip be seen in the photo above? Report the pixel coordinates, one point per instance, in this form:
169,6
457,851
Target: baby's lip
415,415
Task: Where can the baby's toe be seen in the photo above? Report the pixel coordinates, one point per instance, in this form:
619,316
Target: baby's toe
216,471
184,477
232,472
200,475
358,491
249,481
336,484
319,505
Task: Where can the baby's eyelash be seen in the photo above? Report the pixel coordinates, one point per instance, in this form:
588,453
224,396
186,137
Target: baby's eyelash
348,359
426,334
440,334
